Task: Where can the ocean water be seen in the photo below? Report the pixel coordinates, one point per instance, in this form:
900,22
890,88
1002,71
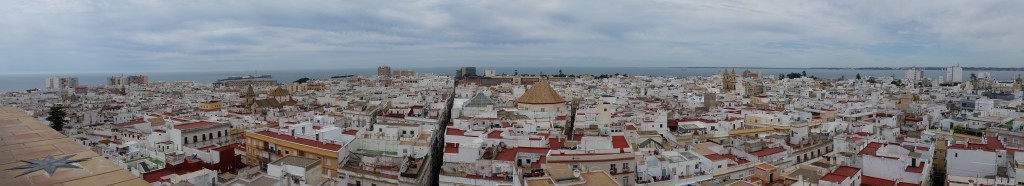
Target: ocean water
21,82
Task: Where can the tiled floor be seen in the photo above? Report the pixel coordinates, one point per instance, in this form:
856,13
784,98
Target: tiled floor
24,138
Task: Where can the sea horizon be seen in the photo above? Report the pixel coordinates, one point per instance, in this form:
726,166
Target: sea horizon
26,81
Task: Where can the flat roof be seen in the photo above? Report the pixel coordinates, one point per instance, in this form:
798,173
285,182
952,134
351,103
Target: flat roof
194,125
301,141
599,178
25,138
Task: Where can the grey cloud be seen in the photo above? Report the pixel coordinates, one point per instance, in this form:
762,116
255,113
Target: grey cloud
66,35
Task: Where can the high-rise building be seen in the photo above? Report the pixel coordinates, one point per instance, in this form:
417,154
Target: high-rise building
914,75
61,82
116,81
467,71
955,74
384,71
489,73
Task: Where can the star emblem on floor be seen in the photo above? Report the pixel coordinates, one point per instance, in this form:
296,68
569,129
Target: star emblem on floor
48,164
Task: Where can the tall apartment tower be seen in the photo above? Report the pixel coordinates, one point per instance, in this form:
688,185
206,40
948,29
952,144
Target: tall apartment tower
955,74
914,75
61,82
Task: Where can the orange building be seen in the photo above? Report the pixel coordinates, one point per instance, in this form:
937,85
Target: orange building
266,146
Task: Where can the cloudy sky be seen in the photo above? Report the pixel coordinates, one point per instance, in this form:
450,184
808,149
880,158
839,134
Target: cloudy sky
185,35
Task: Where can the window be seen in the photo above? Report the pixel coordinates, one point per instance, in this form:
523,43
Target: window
955,155
195,139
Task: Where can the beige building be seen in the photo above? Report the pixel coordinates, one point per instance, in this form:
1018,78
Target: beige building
210,106
541,98
384,72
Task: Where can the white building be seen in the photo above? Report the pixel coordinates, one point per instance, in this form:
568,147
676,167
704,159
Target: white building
914,75
61,82
955,74
988,163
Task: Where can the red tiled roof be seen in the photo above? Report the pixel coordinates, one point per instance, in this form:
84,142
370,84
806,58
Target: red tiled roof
992,144
715,157
736,159
451,148
350,132
870,149
633,127
556,143
455,132
495,135
768,151
301,141
619,142
671,123
918,169
846,170
873,181
194,125
533,150
506,155
833,177
537,164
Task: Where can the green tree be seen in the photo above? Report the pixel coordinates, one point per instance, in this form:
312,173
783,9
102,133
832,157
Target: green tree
794,75
858,76
302,80
803,73
56,118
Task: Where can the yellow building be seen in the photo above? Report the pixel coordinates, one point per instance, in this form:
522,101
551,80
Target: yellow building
210,106
297,87
266,146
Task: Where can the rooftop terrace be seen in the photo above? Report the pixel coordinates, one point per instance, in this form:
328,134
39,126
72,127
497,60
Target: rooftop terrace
22,137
